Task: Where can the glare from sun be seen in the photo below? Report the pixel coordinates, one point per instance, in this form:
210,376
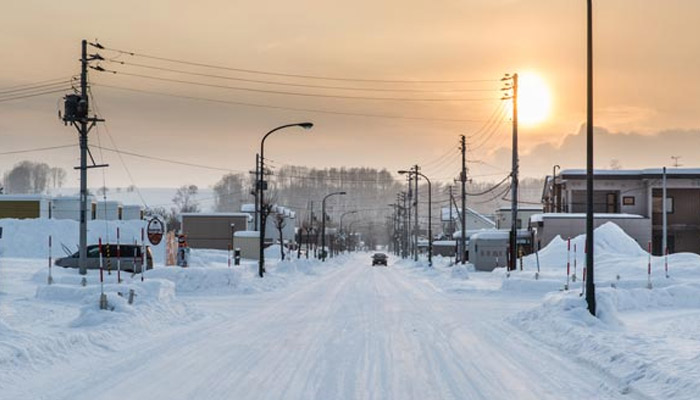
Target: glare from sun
534,99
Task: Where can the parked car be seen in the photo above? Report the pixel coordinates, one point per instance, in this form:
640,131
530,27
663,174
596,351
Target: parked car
130,259
379,259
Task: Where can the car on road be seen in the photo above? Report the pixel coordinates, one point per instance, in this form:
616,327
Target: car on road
130,258
379,259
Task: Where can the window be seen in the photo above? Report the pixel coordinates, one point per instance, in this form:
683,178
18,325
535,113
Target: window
658,205
628,200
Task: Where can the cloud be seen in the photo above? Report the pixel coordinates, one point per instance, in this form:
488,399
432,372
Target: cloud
632,150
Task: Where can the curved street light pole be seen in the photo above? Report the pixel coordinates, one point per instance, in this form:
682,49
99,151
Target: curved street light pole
430,214
259,187
323,223
341,226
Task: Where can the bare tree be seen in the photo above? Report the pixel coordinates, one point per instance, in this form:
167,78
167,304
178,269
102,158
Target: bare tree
185,199
28,177
280,223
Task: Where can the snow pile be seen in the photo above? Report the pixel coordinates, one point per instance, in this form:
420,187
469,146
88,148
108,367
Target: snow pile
657,357
619,261
29,238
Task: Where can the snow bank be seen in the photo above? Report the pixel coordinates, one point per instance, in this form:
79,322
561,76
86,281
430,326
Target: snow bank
659,363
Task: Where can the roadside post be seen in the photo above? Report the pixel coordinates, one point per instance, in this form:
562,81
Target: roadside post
237,256
103,296
649,286
50,278
119,259
568,263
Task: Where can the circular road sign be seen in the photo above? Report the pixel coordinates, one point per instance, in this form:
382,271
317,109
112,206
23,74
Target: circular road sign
155,231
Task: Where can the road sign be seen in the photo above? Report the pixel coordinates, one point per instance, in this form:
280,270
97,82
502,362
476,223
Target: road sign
155,231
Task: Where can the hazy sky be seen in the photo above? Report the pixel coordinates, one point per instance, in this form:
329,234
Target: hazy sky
647,58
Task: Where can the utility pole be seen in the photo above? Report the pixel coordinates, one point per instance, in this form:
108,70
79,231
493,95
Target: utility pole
409,199
416,228
463,180
512,85
77,108
590,282
664,217
675,161
452,222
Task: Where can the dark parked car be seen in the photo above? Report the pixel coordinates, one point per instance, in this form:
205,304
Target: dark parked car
379,259
130,259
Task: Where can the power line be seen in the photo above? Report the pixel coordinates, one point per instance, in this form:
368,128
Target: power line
301,94
298,109
31,88
289,75
170,161
63,79
265,82
37,149
42,93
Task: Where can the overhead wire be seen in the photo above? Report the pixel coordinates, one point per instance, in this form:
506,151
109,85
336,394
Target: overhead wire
284,108
300,94
66,146
290,75
302,85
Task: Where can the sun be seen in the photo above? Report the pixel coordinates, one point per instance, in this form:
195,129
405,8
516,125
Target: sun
534,99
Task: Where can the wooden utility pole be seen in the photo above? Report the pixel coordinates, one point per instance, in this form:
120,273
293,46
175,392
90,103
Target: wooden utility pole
463,216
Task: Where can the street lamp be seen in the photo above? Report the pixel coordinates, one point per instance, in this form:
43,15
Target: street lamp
430,216
260,187
323,223
554,181
341,226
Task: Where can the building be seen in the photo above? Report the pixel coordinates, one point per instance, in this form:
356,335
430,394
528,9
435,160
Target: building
635,192
504,216
25,206
212,230
271,232
68,207
475,221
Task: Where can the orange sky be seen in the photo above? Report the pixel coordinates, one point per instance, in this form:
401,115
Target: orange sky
647,56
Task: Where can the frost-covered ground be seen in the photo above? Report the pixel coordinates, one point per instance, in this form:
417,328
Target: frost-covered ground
345,330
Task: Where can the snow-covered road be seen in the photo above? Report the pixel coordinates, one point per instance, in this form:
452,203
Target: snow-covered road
356,332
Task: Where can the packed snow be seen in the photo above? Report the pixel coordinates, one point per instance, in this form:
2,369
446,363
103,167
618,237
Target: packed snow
345,330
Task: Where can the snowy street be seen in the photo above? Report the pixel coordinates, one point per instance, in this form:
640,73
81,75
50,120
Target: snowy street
355,332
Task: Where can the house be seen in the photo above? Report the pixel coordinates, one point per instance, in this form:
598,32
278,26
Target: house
212,230
475,220
504,216
68,207
635,192
271,232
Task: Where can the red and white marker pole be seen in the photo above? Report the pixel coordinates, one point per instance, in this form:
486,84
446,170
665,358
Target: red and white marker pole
649,267
666,262
583,282
574,276
229,256
119,259
50,278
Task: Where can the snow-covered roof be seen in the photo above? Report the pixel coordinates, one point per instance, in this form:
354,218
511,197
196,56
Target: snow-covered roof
455,215
522,208
541,217
647,173
216,214
249,234
248,208
23,197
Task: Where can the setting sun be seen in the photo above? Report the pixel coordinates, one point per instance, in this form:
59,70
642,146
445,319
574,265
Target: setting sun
534,99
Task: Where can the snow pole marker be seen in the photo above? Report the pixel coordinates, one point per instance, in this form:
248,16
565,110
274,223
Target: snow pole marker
666,262
144,260
103,296
537,257
649,286
229,256
568,262
583,283
50,278
119,259
573,277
